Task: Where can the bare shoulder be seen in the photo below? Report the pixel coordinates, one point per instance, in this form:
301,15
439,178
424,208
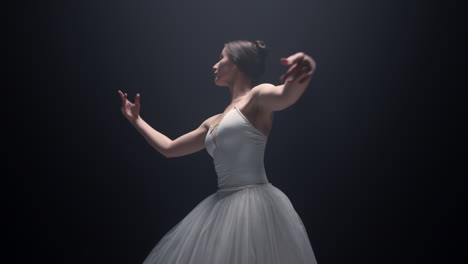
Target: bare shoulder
259,92
258,88
271,98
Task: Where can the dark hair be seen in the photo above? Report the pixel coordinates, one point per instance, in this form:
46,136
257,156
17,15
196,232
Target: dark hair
248,56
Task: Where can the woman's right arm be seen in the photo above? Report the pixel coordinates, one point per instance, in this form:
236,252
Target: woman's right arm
186,144
157,140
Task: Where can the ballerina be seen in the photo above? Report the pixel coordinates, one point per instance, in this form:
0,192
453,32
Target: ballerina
247,220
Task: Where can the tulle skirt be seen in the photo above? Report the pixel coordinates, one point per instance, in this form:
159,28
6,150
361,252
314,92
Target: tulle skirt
252,225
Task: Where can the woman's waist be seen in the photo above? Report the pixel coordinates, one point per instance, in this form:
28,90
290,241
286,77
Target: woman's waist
241,187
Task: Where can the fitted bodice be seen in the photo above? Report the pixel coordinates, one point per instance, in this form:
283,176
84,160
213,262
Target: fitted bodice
237,149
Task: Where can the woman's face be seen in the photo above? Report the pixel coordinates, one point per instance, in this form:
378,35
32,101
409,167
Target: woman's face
224,70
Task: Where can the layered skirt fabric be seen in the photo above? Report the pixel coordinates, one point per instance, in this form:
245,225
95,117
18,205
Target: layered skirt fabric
252,225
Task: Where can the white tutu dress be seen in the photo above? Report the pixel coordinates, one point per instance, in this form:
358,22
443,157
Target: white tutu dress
248,220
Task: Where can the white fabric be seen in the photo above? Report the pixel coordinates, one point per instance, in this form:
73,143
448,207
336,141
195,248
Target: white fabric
248,220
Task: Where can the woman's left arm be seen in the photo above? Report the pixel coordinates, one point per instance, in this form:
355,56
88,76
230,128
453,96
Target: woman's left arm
296,79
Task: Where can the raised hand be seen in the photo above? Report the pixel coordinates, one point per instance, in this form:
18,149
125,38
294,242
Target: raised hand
301,68
130,110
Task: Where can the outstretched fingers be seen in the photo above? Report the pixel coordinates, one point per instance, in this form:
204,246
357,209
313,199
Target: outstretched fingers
137,99
305,76
302,67
123,97
309,71
293,70
292,59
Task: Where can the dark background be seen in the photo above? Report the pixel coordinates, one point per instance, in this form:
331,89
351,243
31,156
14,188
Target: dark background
366,155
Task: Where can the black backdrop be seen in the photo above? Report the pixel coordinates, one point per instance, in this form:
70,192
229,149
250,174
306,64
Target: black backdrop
362,155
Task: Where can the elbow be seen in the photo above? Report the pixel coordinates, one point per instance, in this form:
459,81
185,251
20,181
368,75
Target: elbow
167,152
168,155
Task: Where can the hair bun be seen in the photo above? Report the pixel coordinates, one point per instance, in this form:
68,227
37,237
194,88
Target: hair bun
261,47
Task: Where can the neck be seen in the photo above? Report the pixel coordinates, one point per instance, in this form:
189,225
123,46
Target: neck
240,87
